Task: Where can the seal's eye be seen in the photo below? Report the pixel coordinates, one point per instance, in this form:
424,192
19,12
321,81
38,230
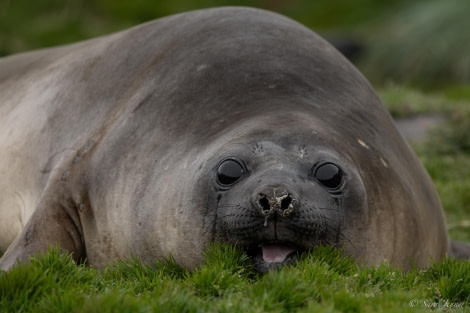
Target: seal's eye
329,175
229,171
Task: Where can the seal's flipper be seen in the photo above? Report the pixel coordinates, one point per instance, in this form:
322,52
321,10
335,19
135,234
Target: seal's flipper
459,250
49,226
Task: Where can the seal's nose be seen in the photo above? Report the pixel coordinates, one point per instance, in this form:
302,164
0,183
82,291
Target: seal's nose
282,203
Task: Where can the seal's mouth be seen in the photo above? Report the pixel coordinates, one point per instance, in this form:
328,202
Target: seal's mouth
268,256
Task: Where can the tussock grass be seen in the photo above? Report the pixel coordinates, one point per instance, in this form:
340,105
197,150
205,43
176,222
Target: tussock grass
424,44
322,280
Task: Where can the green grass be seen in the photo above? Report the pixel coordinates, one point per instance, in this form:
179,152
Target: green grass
322,281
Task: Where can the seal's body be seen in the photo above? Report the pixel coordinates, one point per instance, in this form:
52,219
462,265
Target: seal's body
231,125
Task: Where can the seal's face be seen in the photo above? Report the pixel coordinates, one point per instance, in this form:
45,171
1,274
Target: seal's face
280,197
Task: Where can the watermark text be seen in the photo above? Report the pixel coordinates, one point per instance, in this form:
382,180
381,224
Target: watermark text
443,304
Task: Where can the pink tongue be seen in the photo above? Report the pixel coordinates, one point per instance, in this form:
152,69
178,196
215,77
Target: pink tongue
276,253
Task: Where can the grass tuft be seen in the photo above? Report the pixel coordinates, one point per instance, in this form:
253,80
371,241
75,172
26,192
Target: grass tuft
50,281
227,270
329,257
283,291
380,279
452,280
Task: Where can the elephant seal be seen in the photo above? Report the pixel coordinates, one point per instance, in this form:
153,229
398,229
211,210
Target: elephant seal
231,125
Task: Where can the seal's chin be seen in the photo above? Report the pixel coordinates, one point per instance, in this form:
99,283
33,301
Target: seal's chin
269,256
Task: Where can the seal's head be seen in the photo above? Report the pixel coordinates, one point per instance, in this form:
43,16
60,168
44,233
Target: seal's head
287,192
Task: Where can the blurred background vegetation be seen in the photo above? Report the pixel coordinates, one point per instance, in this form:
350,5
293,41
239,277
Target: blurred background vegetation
422,43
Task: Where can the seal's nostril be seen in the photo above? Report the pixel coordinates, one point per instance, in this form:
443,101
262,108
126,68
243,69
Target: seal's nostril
264,203
286,202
